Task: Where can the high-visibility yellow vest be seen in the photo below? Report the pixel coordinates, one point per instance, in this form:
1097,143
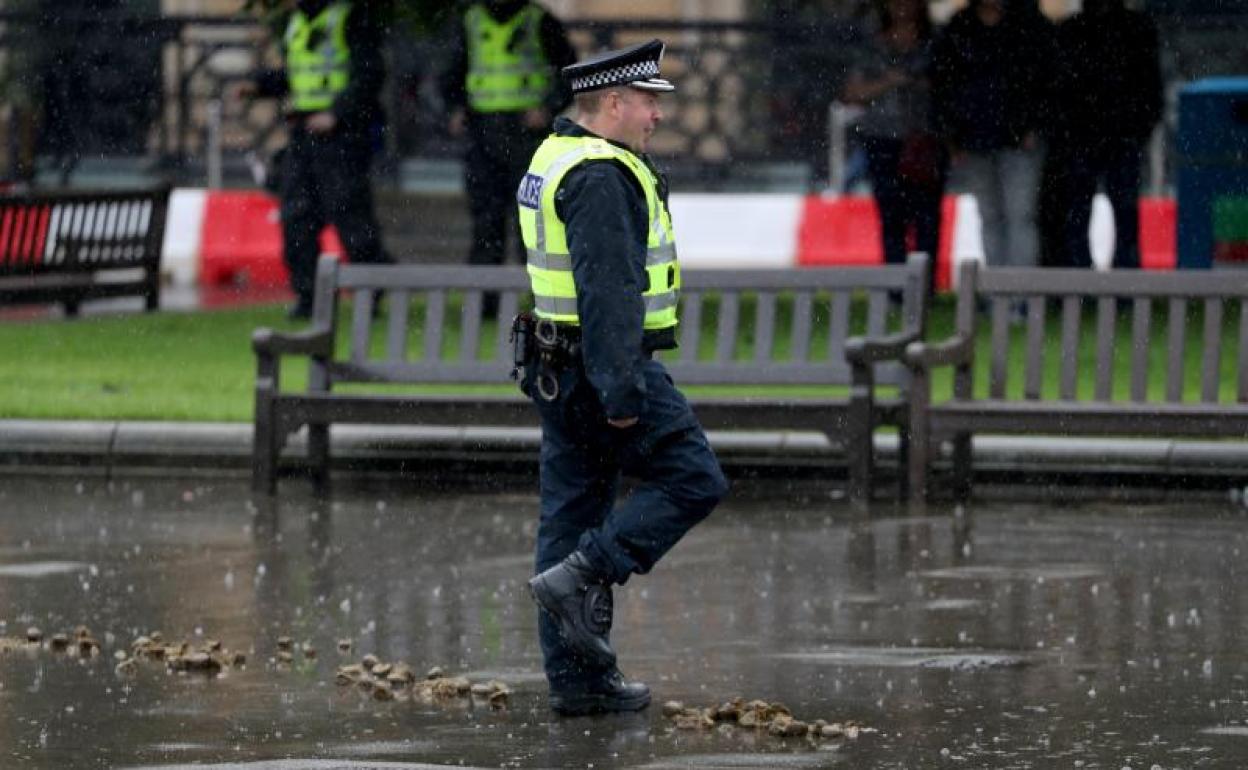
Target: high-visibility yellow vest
317,57
507,68
546,236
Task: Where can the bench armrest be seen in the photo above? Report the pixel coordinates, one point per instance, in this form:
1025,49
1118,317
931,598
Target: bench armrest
312,342
958,350
868,350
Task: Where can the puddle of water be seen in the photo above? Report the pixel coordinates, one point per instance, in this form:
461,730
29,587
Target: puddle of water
39,569
954,660
1039,572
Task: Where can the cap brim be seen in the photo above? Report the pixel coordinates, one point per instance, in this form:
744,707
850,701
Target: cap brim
652,84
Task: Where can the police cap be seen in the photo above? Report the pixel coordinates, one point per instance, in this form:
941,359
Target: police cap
636,66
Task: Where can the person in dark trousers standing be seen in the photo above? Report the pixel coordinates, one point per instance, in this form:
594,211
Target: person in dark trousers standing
905,157
332,80
502,89
991,86
602,260
1113,97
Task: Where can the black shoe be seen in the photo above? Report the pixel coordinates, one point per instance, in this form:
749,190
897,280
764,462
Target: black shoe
609,696
580,601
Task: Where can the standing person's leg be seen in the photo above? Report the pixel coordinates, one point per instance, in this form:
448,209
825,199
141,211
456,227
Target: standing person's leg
485,178
886,187
1123,160
1053,204
302,219
348,193
1082,175
1020,188
981,179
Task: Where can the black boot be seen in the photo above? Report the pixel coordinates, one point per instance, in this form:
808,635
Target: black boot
579,600
606,696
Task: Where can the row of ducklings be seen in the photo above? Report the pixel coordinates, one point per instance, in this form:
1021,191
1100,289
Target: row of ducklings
390,681
775,718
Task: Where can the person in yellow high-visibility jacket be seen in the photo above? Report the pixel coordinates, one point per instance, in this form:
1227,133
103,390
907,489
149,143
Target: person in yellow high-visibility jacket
501,91
601,255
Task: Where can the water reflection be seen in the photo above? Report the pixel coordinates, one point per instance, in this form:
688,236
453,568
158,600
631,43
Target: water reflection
999,637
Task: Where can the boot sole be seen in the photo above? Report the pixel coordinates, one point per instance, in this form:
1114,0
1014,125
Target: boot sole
581,705
537,589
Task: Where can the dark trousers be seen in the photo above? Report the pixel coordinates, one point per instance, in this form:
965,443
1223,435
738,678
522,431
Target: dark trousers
499,151
582,459
1116,164
902,204
325,180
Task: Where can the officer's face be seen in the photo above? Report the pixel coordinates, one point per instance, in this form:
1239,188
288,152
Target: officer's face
639,115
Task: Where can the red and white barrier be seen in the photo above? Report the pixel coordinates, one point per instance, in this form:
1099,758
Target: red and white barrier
234,236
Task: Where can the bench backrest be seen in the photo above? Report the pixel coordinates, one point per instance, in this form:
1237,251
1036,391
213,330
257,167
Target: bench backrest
58,232
770,326
1090,307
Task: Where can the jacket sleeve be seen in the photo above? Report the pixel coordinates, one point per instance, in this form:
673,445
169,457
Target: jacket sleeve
357,105
560,54
606,224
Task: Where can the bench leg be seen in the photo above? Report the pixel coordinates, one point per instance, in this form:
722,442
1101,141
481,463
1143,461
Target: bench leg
265,446
903,463
962,466
860,452
919,446
318,452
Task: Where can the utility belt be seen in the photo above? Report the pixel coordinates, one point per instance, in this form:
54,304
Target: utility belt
549,346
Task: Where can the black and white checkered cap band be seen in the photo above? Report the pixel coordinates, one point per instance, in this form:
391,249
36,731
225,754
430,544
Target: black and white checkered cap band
627,73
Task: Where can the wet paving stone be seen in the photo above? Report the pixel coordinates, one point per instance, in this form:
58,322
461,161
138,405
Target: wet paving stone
1091,636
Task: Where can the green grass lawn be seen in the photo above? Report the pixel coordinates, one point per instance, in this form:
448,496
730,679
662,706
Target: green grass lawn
199,366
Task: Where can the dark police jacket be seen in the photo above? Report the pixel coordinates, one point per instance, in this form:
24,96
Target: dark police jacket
604,209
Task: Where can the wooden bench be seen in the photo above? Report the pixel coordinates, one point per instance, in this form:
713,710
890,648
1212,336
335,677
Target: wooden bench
1017,391
860,318
69,247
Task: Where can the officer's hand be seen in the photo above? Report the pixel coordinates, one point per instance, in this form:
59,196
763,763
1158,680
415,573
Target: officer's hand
536,119
321,122
623,422
458,122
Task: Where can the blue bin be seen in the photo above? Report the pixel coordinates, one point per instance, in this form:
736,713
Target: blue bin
1212,156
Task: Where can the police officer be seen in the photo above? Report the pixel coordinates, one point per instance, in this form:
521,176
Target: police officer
602,259
502,88
334,71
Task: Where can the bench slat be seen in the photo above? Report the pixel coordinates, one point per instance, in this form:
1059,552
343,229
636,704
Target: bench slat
1000,346
396,338
1141,323
877,313
1033,379
435,315
508,306
801,326
1177,347
361,324
764,327
1242,361
470,329
726,337
690,325
1072,311
838,325
1211,354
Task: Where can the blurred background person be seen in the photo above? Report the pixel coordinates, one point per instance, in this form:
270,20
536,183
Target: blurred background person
906,160
1112,95
991,84
332,80
503,90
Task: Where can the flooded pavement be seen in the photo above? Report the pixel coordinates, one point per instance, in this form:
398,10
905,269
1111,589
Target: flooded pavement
1005,637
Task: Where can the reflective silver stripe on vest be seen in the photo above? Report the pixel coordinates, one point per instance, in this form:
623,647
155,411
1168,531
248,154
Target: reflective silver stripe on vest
555,305
658,255
543,261
656,302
